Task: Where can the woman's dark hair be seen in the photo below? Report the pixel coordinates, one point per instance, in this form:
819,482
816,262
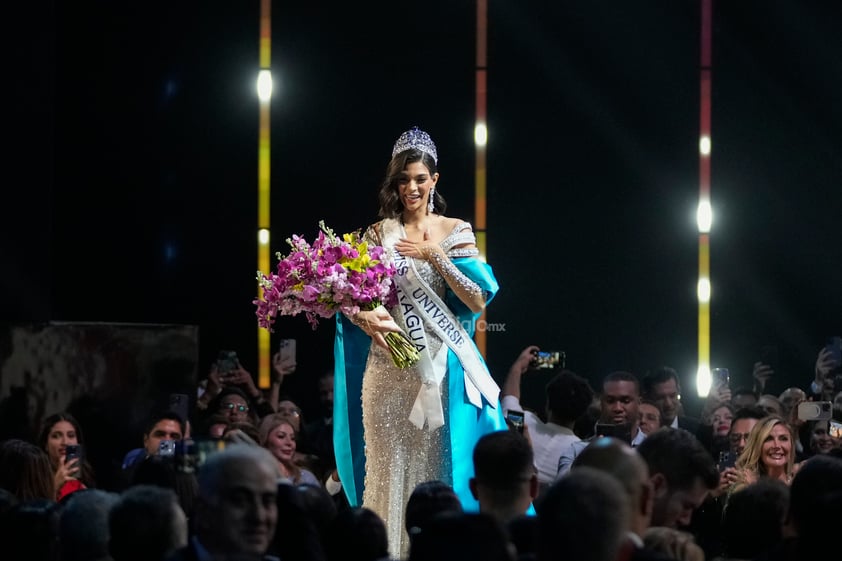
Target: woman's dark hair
86,474
428,499
302,539
361,531
25,470
390,201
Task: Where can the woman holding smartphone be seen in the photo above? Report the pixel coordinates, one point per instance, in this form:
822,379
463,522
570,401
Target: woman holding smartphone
61,438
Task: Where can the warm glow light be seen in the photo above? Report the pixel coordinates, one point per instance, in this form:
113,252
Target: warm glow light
703,380
703,290
264,85
263,236
704,216
480,134
704,145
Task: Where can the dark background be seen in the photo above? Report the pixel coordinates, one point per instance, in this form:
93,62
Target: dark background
130,193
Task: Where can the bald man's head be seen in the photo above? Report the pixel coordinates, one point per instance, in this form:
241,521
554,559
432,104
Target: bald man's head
620,460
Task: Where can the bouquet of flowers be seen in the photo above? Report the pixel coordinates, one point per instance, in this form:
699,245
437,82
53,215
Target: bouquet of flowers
332,275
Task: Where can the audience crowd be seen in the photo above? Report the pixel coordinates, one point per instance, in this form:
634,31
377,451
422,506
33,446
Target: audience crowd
620,473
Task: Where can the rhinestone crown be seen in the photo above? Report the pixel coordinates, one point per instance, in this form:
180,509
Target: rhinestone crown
418,139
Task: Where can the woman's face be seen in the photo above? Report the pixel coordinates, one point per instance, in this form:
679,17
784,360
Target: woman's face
721,421
776,448
235,407
820,440
281,442
61,434
414,186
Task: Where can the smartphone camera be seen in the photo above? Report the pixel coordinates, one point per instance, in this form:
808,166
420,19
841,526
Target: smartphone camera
73,452
815,410
516,419
727,459
548,360
722,376
166,448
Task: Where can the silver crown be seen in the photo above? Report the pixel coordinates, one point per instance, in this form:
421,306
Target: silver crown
418,139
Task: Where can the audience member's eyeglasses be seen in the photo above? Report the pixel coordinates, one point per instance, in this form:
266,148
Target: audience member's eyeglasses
231,406
738,436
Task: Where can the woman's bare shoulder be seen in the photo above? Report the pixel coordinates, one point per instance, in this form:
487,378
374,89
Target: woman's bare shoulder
450,225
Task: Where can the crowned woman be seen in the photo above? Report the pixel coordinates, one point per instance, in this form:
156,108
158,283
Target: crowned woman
397,427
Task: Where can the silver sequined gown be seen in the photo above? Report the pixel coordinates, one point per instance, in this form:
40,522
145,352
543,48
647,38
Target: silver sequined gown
398,454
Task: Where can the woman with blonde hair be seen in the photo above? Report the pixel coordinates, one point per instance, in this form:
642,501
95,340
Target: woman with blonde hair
277,434
769,452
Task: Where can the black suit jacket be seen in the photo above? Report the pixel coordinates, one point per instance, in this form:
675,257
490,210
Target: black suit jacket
697,428
190,553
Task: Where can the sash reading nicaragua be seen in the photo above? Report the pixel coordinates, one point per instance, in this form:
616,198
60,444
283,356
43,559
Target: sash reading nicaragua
419,305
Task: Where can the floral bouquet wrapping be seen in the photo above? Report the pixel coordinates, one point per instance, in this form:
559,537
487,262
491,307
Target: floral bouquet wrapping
332,275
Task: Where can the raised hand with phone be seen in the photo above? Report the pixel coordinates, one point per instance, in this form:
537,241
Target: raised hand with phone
227,371
61,438
567,397
828,371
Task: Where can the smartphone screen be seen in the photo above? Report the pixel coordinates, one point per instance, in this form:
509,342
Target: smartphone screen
227,362
548,359
620,431
835,429
516,419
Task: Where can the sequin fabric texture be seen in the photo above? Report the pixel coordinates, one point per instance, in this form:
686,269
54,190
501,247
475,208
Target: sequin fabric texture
399,455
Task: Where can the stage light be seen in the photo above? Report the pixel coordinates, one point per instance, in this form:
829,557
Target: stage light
704,216
264,85
480,134
703,380
263,236
703,290
704,145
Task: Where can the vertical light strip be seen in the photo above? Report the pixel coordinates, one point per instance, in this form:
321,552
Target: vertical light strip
480,139
704,215
263,188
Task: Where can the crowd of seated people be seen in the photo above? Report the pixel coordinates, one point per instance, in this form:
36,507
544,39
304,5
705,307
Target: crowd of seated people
618,473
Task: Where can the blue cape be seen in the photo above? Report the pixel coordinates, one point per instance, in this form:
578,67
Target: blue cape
467,423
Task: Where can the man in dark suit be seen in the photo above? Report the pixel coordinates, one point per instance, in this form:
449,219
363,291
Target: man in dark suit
236,510
662,387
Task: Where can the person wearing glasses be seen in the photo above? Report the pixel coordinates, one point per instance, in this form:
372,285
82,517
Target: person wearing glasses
235,404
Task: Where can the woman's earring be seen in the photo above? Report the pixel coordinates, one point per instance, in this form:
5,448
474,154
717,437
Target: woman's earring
431,205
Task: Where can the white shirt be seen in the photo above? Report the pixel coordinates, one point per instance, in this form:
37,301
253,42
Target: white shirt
565,459
548,440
